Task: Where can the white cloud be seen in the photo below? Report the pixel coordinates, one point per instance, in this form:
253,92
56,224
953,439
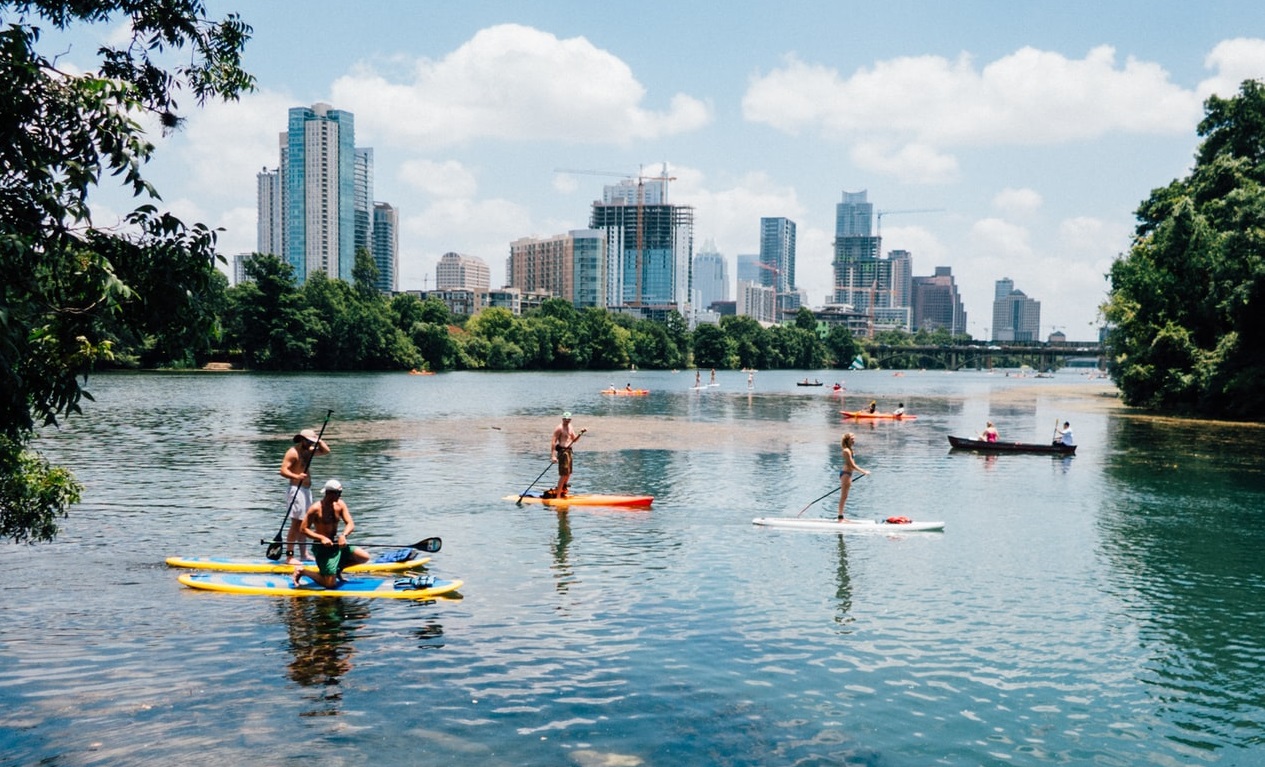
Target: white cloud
511,82
482,228
1234,61
1000,239
225,144
923,105
1018,202
439,179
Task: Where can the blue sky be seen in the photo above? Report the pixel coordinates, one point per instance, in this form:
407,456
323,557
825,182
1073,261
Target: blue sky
1035,129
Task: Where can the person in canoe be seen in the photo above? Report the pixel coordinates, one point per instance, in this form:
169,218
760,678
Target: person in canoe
331,549
560,452
845,474
294,467
899,411
1064,436
990,433
873,407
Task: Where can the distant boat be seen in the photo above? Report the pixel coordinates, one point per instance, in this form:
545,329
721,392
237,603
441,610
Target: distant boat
806,382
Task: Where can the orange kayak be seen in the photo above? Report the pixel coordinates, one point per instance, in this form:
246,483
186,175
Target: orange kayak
627,392
865,414
589,499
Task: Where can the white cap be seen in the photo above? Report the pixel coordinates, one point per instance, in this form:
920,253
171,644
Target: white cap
333,486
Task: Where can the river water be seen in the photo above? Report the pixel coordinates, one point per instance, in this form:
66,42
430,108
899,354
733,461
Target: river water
1104,609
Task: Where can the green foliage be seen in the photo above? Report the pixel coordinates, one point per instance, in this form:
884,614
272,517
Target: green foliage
713,348
841,347
73,291
1185,302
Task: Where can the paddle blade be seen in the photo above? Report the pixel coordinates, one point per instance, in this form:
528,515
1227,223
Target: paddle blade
274,550
429,545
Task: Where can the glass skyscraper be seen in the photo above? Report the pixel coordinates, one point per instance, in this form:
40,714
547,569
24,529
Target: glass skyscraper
319,171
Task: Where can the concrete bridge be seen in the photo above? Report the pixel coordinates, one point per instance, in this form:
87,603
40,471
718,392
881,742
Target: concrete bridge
1039,356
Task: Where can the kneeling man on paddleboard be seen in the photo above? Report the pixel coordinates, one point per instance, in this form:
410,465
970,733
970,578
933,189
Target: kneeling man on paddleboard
330,548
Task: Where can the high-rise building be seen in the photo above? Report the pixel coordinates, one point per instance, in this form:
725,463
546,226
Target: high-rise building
319,177
386,246
456,271
863,280
363,208
777,254
935,303
711,275
649,246
1015,316
269,227
757,301
902,262
570,266
748,268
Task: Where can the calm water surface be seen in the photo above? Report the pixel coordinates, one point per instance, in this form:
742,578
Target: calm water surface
1105,609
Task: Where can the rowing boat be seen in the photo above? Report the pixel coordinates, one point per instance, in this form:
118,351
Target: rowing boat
864,414
982,446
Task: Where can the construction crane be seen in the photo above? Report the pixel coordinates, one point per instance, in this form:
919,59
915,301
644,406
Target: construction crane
882,213
641,203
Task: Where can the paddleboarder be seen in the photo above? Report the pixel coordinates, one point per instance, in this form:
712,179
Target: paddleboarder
560,444
845,474
320,523
294,467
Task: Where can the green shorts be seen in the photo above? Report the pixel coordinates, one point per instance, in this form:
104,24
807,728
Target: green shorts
329,559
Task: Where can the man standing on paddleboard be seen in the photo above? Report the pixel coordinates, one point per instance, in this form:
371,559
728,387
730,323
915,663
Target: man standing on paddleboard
560,453
331,550
294,467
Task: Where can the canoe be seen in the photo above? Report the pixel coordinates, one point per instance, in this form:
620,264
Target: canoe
850,526
627,392
261,584
261,565
589,499
807,383
864,414
981,446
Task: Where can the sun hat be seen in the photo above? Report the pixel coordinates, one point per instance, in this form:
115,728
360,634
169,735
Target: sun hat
333,486
307,434
567,414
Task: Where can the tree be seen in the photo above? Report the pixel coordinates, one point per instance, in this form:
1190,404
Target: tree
71,287
841,347
1185,301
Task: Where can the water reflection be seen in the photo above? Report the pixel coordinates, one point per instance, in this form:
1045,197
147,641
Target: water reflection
321,635
564,574
843,587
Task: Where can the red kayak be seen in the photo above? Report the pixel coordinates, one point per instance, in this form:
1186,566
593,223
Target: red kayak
859,414
590,499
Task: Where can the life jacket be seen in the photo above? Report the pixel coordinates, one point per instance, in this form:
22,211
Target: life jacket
898,520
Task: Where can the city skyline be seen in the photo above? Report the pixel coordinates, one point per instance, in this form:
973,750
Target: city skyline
1033,131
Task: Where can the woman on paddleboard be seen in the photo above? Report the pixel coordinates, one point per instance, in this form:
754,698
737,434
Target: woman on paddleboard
845,474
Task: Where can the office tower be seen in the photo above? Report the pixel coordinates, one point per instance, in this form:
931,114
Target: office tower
386,246
455,270
649,246
902,264
748,268
570,266
269,221
862,279
1015,316
757,301
935,303
363,207
777,254
711,275
319,164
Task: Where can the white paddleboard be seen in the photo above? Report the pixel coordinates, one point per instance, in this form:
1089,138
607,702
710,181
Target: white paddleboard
850,526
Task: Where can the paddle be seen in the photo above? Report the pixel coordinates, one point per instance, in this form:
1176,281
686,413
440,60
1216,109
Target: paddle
827,495
429,545
274,549
533,483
